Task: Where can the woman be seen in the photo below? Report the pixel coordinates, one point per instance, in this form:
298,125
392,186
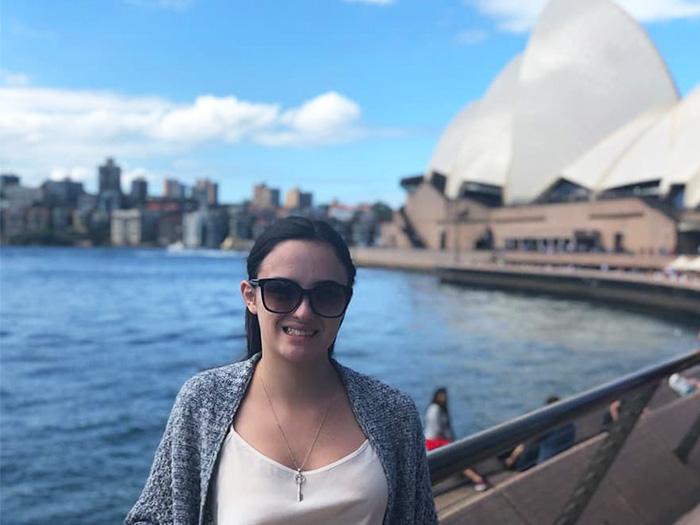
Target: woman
289,435
438,433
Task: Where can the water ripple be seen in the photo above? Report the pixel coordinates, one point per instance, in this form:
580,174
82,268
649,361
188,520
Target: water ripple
87,384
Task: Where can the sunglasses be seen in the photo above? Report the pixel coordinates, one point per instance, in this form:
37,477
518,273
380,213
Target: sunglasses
282,296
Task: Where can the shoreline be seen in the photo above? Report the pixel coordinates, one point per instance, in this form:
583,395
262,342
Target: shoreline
634,282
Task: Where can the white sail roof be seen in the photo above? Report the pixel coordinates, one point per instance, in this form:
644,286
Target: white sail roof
692,191
590,100
595,165
588,69
448,146
668,151
684,158
475,146
486,148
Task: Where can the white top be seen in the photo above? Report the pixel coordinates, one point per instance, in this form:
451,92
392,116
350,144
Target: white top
681,385
437,423
252,489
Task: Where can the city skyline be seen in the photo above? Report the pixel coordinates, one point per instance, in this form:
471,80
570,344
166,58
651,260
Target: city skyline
342,99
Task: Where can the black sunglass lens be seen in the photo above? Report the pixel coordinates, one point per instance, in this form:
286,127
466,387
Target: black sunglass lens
329,299
280,296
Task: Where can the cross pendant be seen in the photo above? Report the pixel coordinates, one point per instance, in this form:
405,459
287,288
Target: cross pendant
299,479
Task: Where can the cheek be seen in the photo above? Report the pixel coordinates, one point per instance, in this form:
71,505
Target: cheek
331,327
267,321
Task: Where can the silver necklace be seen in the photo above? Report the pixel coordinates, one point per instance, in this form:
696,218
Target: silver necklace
299,478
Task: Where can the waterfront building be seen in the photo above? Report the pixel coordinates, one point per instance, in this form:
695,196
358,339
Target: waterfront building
12,223
8,179
206,193
108,201
80,221
364,227
62,192
18,196
170,219
38,220
298,200
573,147
340,212
173,189
87,202
265,197
61,219
205,228
132,227
240,221
139,192
109,177
16,201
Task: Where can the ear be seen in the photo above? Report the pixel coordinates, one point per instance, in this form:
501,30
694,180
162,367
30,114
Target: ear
249,297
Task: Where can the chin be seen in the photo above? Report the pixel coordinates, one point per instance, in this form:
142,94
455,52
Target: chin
303,353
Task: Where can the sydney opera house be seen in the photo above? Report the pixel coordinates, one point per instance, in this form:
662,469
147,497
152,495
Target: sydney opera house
581,143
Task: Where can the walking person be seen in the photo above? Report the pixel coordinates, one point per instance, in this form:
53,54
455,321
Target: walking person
438,432
289,435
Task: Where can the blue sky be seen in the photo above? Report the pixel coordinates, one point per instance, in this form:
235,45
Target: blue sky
342,98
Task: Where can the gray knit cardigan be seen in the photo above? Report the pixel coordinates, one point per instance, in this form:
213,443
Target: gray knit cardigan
178,487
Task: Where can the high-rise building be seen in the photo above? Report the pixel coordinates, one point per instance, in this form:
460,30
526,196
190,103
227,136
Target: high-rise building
63,192
109,177
205,228
265,197
298,200
133,227
173,189
139,191
206,192
8,179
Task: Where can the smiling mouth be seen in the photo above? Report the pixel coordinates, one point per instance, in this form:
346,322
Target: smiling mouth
297,332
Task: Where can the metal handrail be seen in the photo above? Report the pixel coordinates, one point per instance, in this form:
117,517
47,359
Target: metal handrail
455,457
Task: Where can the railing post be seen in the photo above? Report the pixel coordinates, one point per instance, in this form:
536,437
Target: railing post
689,441
604,457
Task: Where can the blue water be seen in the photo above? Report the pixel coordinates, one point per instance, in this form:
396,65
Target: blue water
95,344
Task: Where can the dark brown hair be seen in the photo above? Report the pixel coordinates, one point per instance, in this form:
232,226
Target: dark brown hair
291,228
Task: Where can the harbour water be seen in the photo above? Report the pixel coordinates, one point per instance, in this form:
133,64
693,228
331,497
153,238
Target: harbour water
95,344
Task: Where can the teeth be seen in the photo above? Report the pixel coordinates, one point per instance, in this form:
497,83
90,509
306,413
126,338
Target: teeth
294,331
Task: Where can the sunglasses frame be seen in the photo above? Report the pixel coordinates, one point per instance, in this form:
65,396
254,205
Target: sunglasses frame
305,292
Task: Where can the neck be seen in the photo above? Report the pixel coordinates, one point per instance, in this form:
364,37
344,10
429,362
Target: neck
297,383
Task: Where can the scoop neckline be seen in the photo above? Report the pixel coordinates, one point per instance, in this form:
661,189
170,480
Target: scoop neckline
330,466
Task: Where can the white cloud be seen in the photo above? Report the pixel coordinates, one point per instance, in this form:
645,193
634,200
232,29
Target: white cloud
76,173
327,118
470,37
42,128
370,2
210,118
8,78
518,16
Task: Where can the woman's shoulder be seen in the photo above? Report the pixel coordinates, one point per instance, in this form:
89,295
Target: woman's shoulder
208,385
433,409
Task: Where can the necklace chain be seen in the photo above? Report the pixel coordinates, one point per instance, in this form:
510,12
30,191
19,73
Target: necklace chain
297,467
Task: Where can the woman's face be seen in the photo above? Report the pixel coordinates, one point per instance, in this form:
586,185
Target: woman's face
301,335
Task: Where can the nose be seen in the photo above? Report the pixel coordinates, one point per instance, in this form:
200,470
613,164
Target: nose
304,310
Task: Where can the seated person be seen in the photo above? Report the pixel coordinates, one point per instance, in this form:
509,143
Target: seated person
556,441
612,414
682,385
546,446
